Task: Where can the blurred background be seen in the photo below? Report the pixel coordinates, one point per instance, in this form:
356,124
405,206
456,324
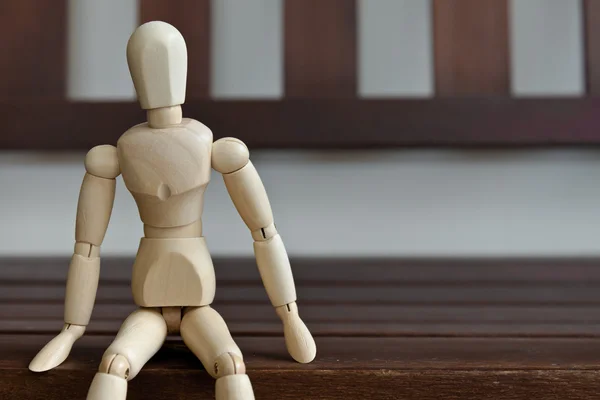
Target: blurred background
337,200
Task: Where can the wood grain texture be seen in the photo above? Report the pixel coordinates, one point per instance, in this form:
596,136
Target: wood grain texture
33,48
468,314
330,385
395,328
591,10
320,48
580,294
320,124
349,353
346,368
471,47
468,329
328,271
346,297
192,19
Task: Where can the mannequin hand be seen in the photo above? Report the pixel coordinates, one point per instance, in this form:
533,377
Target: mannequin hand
57,350
298,340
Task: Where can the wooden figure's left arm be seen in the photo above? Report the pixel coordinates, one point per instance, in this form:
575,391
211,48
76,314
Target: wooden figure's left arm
230,157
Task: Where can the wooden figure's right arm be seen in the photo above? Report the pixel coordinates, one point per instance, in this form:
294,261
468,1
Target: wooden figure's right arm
94,208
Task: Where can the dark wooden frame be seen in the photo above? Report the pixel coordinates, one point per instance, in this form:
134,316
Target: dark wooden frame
324,123
472,107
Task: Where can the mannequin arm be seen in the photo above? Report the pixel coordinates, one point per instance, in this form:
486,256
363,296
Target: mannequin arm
230,157
95,205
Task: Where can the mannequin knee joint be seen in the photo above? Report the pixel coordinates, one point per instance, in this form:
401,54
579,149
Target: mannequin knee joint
115,364
229,364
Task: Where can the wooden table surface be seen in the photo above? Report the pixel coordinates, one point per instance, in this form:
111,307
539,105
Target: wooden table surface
385,329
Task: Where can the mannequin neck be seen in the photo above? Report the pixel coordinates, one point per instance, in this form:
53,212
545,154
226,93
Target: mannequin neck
164,117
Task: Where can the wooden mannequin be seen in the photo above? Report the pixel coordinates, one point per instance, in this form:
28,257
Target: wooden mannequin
165,164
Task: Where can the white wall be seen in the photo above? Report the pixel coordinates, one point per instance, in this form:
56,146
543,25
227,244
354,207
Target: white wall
388,203
392,203
547,47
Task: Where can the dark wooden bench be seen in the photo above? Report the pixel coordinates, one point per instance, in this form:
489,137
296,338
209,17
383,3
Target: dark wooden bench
385,329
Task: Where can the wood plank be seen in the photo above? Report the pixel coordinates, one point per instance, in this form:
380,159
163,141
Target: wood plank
347,329
526,297
329,294
353,384
342,271
424,368
336,353
341,320
471,47
192,19
591,11
33,44
324,124
342,313
320,48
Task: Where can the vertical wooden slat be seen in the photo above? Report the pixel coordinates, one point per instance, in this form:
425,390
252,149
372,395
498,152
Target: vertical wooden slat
33,48
192,19
320,48
591,11
471,47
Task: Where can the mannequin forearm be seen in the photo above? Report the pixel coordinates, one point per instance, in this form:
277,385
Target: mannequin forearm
275,270
82,283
